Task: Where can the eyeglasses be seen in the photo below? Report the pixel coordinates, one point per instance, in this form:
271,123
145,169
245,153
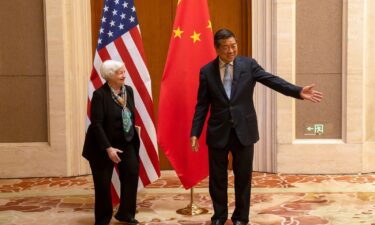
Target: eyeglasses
226,48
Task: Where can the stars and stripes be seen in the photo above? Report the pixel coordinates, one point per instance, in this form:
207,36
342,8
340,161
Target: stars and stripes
120,39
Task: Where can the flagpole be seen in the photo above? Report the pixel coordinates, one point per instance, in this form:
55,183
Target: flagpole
192,209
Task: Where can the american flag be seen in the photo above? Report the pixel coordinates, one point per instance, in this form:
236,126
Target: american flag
120,39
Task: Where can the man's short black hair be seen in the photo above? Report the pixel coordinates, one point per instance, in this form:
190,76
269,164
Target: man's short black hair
222,34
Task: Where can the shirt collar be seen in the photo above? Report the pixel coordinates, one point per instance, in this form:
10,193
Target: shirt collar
222,63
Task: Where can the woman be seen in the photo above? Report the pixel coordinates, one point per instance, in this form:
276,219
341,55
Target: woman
111,139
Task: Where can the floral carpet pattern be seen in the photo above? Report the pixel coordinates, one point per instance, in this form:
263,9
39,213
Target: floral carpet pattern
276,199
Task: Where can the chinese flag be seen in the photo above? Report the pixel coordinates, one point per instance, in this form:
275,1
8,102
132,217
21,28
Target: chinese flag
190,48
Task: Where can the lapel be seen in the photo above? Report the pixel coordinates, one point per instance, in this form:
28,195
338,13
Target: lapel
129,101
107,90
217,78
236,75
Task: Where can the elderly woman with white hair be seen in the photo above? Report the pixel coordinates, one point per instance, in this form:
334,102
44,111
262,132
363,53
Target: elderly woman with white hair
111,139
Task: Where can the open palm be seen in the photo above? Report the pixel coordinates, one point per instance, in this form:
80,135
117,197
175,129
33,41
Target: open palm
310,94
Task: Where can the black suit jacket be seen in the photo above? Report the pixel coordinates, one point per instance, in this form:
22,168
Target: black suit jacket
238,112
106,128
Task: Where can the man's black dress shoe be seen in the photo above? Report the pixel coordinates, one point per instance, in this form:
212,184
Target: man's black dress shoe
131,221
237,222
217,222
103,222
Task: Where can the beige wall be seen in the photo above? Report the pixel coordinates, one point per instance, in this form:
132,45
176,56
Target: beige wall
369,88
370,72
68,64
354,152
22,72
319,62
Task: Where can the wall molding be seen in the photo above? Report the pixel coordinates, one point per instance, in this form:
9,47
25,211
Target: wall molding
264,51
68,65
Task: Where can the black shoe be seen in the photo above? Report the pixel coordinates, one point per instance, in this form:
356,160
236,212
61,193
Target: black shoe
238,222
217,222
131,221
103,222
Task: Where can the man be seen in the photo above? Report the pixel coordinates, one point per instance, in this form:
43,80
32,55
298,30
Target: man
226,88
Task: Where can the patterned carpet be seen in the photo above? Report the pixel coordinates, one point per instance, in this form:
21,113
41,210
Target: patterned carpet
276,200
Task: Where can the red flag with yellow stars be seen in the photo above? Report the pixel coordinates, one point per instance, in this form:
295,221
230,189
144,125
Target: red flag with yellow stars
191,47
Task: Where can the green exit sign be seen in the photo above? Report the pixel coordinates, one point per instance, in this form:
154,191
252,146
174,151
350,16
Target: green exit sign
314,129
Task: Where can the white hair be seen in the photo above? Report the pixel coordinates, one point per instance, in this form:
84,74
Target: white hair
109,68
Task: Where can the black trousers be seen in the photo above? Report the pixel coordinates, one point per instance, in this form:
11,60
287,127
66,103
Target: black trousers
218,180
128,173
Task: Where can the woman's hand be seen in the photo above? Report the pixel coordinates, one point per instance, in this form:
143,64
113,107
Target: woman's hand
112,153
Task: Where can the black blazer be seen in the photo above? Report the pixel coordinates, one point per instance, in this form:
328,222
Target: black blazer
238,112
106,128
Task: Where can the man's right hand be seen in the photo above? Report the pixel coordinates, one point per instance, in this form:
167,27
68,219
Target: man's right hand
112,154
194,143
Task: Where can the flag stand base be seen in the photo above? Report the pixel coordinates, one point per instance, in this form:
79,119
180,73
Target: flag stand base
192,209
